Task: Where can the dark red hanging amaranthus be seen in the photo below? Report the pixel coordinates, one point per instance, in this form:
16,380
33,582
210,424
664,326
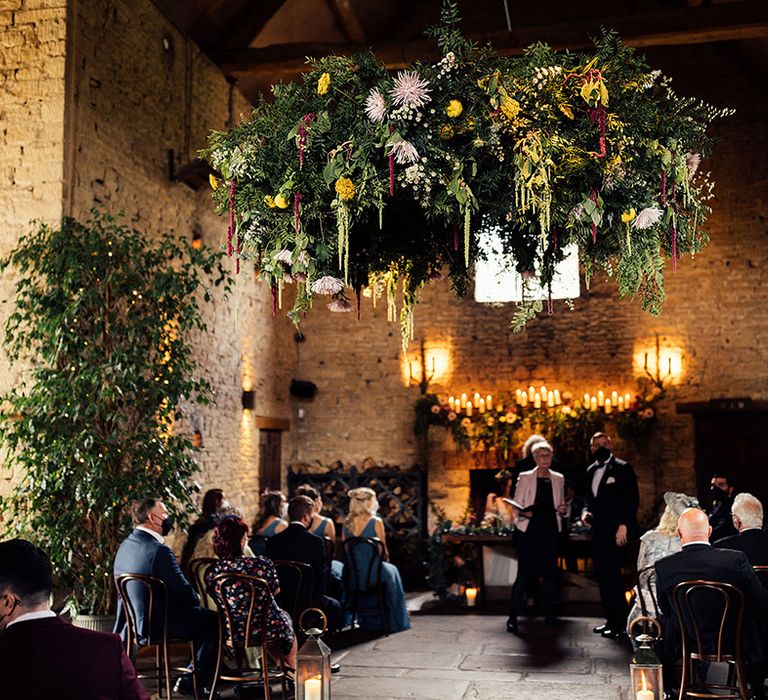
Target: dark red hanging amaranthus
455,236
274,300
599,116
302,135
231,229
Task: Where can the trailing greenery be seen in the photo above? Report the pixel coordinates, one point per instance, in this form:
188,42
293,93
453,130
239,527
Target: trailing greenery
354,178
103,315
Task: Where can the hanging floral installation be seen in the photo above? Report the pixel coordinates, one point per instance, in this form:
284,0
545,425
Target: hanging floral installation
357,180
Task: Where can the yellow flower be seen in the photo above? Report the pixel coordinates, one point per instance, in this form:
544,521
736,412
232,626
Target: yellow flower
628,216
454,109
510,108
566,110
345,188
446,132
214,182
281,202
323,84
270,201
469,124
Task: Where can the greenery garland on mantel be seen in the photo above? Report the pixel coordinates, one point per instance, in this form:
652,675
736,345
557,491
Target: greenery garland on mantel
357,179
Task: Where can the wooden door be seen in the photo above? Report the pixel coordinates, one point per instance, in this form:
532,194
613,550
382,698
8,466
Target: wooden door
269,459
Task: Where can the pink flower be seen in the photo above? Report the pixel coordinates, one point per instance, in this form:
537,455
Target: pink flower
410,90
327,285
692,161
300,277
451,416
647,218
341,306
435,409
283,256
375,106
404,152
647,413
303,257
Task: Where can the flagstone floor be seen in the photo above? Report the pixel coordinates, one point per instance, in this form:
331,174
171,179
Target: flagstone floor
472,657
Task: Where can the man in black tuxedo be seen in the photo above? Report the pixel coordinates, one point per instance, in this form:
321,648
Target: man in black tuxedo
41,656
611,502
698,560
297,543
720,516
143,552
748,520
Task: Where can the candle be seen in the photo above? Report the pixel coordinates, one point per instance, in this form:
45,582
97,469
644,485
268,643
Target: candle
627,400
644,693
451,403
471,594
614,397
518,399
488,402
524,399
313,689
469,409
531,390
600,397
608,406
500,408
558,401
551,399
476,402
645,362
463,400
543,391
586,400
481,406
620,408
593,403
537,400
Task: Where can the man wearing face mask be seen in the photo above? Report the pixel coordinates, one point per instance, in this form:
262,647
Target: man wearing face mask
720,516
612,500
144,552
41,655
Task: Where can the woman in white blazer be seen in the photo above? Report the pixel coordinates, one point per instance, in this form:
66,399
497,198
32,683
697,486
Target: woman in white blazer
541,506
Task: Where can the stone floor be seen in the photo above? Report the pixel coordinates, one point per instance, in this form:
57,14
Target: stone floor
467,657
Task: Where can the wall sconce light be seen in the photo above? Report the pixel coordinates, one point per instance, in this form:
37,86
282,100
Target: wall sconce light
197,239
197,440
428,366
659,364
249,400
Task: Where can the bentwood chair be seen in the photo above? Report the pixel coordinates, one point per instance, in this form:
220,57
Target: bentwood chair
297,588
145,601
646,597
329,547
236,635
762,573
710,615
363,578
198,568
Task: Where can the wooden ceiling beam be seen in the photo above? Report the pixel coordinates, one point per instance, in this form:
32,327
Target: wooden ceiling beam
245,26
713,23
348,20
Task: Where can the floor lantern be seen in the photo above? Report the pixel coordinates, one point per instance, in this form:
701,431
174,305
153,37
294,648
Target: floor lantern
645,671
313,662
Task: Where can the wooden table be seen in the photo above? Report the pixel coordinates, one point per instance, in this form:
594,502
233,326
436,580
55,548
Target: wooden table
578,544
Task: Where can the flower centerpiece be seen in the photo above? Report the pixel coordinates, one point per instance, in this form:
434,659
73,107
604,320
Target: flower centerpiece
385,182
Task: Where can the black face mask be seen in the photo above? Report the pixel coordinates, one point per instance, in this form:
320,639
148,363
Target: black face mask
602,454
166,526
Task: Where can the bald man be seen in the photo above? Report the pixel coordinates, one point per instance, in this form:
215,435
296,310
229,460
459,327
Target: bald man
698,560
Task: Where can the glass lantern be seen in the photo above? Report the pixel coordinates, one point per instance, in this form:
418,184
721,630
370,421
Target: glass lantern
313,663
645,671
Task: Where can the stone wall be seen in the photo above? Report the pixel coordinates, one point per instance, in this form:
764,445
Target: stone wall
32,67
715,312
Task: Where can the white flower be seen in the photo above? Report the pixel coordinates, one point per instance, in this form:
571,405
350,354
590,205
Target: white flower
303,258
283,256
692,161
404,152
410,90
647,218
327,285
375,106
340,306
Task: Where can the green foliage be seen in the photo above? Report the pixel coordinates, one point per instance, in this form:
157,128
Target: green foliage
103,315
545,150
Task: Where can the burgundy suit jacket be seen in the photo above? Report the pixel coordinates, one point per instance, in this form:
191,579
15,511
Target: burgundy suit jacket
49,658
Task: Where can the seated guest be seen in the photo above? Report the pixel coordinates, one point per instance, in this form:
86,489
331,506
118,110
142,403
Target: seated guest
213,502
720,517
698,560
269,520
229,540
41,656
748,520
363,522
657,543
498,507
143,552
204,547
297,543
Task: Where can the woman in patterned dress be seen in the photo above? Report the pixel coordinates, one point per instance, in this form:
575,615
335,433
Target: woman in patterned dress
229,540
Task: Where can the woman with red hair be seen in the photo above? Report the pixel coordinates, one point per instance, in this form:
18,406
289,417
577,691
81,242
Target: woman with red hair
229,540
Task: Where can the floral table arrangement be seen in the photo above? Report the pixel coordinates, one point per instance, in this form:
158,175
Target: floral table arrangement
355,180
